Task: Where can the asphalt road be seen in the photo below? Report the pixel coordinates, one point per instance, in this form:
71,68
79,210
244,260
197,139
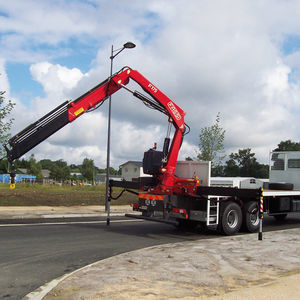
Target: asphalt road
33,254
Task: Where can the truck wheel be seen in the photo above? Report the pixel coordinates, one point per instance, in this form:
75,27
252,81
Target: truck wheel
280,217
251,217
281,186
230,218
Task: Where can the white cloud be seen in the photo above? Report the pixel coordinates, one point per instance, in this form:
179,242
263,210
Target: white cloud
55,78
276,81
207,56
4,84
87,136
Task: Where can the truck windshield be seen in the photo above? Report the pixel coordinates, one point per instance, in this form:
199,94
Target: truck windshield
277,161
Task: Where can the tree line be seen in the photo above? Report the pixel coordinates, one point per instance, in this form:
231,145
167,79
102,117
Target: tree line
59,169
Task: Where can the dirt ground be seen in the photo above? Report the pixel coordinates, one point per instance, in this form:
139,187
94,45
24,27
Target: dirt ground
238,267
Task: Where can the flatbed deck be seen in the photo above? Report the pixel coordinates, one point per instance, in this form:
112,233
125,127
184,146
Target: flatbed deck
270,193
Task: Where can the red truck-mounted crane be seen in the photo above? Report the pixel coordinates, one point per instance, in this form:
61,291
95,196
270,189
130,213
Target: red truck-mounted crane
161,164
163,196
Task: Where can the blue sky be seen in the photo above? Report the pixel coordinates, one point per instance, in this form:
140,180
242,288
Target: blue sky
290,44
76,55
21,83
242,61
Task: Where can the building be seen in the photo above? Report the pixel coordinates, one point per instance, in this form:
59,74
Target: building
20,178
45,175
132,170
101,178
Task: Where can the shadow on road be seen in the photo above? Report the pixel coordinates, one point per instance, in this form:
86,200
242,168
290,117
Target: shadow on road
155,230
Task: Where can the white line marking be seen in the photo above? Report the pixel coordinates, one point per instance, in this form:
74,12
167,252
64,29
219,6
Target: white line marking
68,223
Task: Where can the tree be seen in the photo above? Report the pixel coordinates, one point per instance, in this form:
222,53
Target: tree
60,170
231,168
243,163
262,171
188,158
288,145
218,170
73,167
21,163
3,166
211,144
113,171
47,164
245,160
34,167
87,169
5,122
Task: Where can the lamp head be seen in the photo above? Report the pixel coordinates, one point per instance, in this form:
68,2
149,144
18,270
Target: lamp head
129,45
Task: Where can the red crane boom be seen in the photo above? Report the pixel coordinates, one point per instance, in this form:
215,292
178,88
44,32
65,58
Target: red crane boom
162,164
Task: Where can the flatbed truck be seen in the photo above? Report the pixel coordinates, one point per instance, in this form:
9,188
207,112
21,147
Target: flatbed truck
183,198
226,209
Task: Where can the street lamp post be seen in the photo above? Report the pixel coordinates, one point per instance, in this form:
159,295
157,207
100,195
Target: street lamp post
128,45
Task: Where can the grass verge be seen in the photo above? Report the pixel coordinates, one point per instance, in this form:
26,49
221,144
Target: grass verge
36,195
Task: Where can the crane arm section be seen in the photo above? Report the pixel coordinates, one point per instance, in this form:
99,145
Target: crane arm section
68,111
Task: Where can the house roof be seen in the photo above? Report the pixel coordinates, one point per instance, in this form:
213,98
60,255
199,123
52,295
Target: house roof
22,170
137,163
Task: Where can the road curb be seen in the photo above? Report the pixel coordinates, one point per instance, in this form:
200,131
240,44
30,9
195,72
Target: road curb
63,215
42,291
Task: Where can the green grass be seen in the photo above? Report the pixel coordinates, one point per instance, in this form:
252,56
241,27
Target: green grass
33,195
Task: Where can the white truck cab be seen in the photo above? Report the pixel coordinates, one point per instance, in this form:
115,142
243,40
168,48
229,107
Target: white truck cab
285,168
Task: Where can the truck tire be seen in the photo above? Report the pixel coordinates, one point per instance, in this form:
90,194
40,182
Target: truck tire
281,186
280,217
230,218
251,217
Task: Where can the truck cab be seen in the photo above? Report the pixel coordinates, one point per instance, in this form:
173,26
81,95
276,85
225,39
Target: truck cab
285,168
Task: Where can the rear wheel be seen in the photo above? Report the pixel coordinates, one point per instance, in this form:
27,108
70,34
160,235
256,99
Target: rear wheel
251,216
230,218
